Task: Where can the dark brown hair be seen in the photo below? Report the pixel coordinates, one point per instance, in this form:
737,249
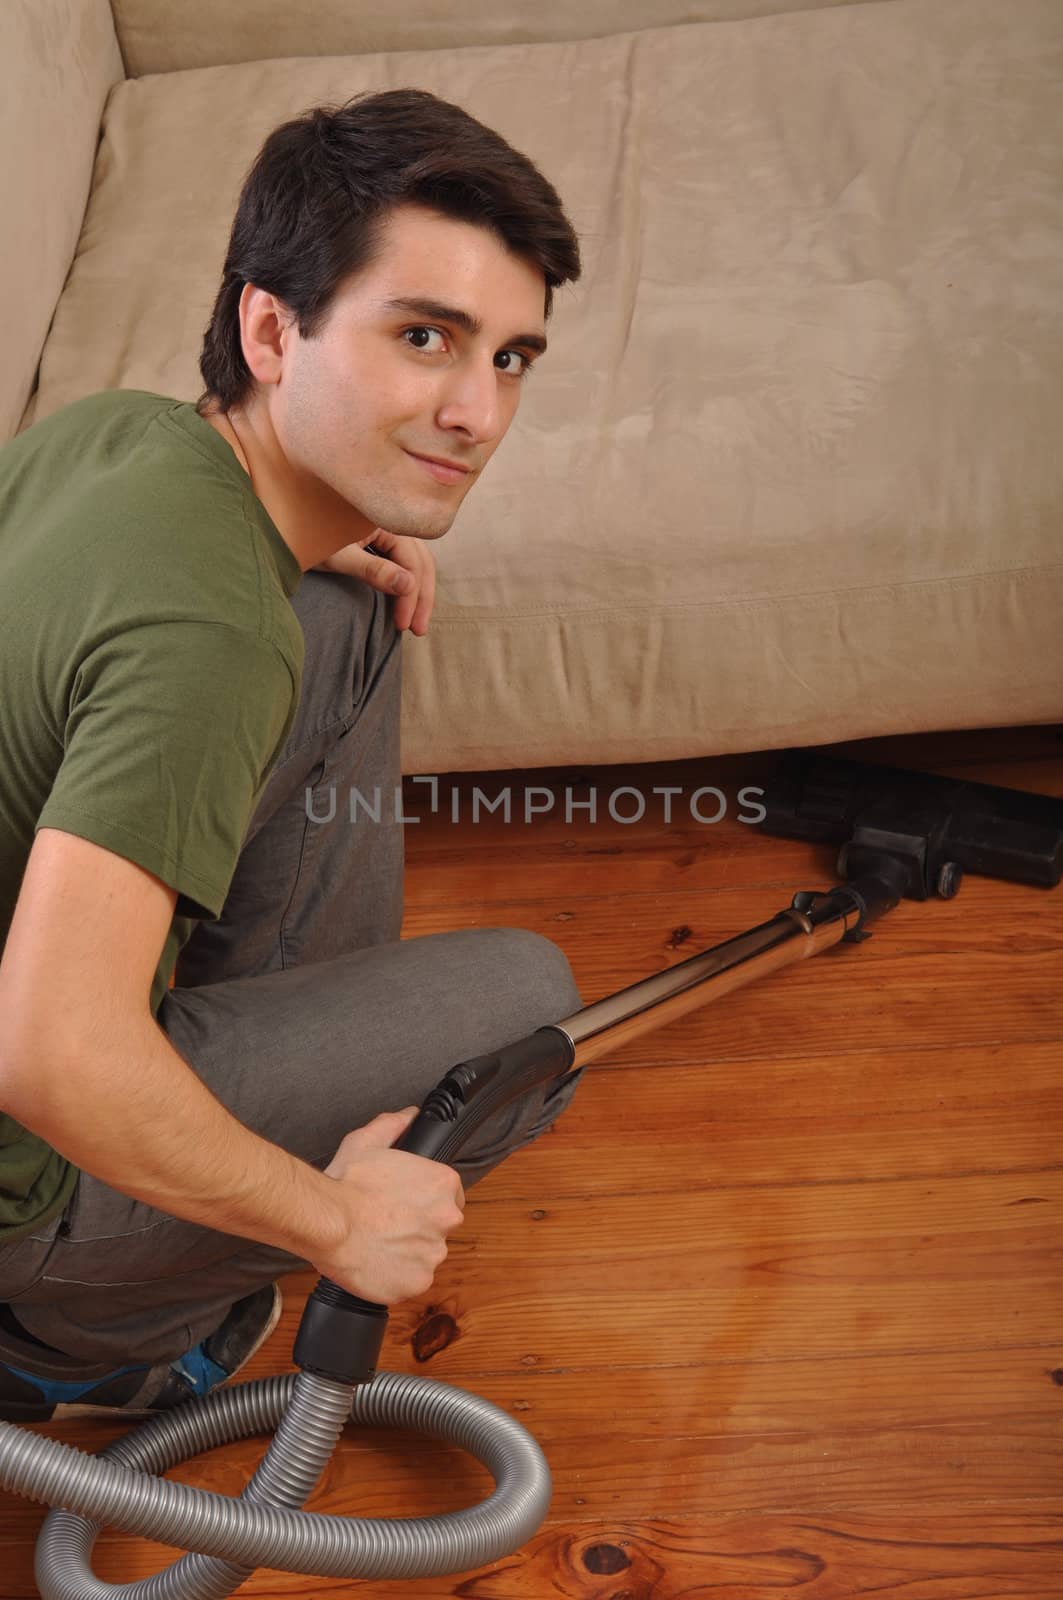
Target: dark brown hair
312,208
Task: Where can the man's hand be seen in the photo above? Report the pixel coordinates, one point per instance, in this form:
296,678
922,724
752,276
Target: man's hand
404,567
401,1207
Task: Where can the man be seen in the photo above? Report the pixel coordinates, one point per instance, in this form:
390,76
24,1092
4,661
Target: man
200,616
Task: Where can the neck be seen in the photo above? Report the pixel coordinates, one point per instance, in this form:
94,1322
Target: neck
311,520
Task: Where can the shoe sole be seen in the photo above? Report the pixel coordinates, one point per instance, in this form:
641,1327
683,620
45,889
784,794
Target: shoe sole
65,1412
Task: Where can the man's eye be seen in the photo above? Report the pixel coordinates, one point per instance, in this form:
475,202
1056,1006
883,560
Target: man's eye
513,357
419,338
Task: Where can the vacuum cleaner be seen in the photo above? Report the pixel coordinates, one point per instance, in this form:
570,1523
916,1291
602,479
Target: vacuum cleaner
902,835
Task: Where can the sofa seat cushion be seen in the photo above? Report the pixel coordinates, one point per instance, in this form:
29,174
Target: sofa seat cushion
790,473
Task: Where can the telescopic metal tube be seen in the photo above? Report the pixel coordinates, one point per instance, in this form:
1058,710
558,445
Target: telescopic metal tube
789,937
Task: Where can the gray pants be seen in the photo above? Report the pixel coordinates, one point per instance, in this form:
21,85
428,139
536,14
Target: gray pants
300,1008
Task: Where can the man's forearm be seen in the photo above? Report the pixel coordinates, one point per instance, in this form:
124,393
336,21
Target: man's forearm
136,1116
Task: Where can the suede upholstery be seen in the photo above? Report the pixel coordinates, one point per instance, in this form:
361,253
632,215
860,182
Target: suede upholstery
170,35
58,61
789,473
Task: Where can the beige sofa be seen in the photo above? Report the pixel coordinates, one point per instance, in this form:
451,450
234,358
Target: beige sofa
792,472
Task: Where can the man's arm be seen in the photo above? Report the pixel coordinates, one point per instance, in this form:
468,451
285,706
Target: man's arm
84,1064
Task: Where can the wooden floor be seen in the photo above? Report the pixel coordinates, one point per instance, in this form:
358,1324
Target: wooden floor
780,1296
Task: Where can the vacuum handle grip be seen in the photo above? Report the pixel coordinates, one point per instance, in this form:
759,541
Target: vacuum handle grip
474,1090
341,1335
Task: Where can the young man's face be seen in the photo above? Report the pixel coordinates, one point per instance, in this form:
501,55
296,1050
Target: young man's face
382,386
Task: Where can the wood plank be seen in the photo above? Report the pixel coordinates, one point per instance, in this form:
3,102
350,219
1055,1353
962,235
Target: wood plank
734,1276
745,1397
930,974
911,1539
966,1554
766,1397
657,1128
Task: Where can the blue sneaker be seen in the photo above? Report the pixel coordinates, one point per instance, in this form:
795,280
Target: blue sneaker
38,1385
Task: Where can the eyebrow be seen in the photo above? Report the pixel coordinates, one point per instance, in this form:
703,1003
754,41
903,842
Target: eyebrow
436,311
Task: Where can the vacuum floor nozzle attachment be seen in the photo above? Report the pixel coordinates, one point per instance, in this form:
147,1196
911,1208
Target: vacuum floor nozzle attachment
937,827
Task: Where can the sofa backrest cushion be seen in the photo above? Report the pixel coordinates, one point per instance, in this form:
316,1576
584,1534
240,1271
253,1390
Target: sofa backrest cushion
787,473
58,61
159,36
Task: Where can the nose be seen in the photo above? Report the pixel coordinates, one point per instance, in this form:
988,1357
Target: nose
471,402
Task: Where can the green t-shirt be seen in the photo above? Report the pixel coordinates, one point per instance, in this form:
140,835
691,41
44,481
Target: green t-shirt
150,664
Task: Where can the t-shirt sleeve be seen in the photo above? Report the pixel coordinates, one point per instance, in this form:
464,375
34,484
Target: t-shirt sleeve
171,732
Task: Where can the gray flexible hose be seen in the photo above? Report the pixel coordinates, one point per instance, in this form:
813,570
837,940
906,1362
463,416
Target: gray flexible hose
118,1488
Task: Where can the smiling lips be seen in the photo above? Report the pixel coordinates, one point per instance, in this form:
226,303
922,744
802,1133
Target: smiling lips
442,470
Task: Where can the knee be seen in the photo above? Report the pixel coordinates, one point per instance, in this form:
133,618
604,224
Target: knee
351,643
538,975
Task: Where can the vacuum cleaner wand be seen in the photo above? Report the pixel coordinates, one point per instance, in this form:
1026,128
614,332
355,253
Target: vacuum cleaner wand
341,1335
903,835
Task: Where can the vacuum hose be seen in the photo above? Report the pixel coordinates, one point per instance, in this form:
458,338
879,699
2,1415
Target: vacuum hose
338,1344
265,1527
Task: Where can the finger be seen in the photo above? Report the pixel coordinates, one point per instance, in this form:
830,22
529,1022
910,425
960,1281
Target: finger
370,567
383,1130
406,604
412,558
390,578
379,563
414,607
427,597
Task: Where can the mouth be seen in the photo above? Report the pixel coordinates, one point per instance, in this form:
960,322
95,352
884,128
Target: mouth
442,471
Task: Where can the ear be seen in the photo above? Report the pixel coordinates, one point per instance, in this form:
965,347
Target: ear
267,326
